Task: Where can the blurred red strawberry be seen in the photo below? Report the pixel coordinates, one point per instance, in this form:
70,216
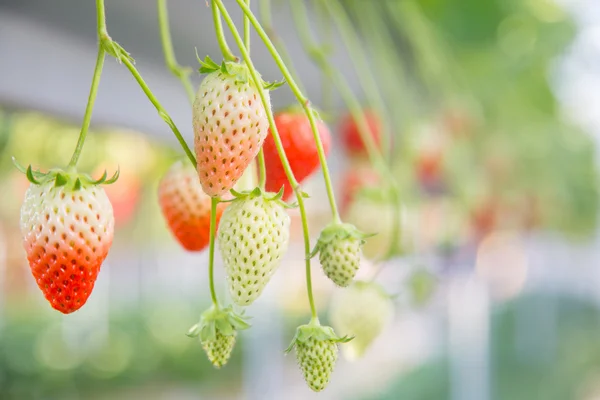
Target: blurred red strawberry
355,178
300,148
351,138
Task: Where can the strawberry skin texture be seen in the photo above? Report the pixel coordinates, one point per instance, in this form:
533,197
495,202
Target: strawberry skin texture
351,138
67,235
317,359
230,126
300,149
186,207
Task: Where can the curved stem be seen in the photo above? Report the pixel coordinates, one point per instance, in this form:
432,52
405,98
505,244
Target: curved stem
161,111
216,14
247,30
286,166
304,102
87,117
214,201
353,105
364,71
267,23
262,169
165,35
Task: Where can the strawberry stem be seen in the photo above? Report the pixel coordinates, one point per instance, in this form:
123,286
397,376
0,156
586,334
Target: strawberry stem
266,20
353,105
87,117
227,54
364,71
262,177
247,30
304,102
286,165
183,74
214,201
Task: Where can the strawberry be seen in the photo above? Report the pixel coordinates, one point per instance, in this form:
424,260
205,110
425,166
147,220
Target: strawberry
339,248
230,125
316,353
362,310
351,137
217,331
300,149
67,226
186,207
253,237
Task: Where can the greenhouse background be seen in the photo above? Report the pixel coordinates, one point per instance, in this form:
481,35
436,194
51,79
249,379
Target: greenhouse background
496,126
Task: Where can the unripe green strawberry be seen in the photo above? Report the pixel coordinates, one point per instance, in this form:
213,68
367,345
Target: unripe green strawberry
339,248
253,237
218,350
217,331
67,226
316,353
230,125
362,310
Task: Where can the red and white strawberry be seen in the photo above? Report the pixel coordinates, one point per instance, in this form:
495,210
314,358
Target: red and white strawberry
67,226
253,237
230,125
186,207
299,146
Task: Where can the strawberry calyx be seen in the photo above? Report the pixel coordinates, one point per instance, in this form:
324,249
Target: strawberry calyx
239,71
337,231
224,320
317,331
69,177
258,192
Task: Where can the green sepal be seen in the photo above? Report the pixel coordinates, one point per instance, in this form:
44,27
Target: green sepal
273,85
217,319
258,192
77,184
315,330
60,180
207,65
30,176
339,231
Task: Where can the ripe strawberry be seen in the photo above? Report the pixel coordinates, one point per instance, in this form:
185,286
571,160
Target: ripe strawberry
253,237
300,149
230,125
217,331
316,353
339,248
362,310
186,207
351,138
67,226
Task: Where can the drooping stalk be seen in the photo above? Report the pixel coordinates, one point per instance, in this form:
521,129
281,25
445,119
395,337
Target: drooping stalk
354,107
304,102
365,70
214,201
183,74
87,117
216,14
275,134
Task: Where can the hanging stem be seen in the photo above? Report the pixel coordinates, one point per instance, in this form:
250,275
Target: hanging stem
247,30
353,105
267,24
304,102
262,169
366,76
275,134
183,74
214,201
161,111
216,14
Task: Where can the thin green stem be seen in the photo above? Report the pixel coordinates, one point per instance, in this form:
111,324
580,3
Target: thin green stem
267,24
247,30
87,117
304,102
353,105
183,74
275,134
216,14
214,201
100,17
365,71
262,168
161,111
